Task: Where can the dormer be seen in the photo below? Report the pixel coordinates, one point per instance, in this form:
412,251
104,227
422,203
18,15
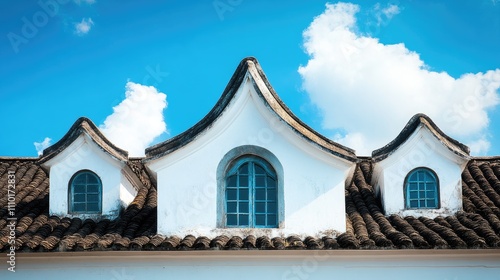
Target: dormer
419,172
89,176
250,166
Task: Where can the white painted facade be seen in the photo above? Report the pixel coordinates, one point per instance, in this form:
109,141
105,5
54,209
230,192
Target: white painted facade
284,265
85,154
421,149
313,200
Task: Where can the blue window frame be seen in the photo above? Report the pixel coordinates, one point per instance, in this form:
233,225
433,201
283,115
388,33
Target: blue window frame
421,189
251,194
85,193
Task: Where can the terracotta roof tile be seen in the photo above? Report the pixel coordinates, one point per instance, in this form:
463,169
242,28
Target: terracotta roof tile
478,226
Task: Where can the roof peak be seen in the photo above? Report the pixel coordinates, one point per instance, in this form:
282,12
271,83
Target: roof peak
264,89
417,120
84,125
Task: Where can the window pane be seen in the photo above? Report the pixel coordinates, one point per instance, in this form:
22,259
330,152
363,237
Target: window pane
413,177
260,181
413,195
78,207
271,183
79,179
271,194
243,181
431,194
421,203
231,181
248,194
231,207
271,220
271,207
259,170
79,198
231,194
244,220
86,192
260,207
431,203
260,220
92,198
91,179
93,207
78,188
413,187
260,194
420,176
413,203
93,188
430,186
232,220
243,169
243,194
422,194
243,207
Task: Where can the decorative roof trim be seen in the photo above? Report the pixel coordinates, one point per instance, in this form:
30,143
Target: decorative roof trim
84,125
266,92
421,119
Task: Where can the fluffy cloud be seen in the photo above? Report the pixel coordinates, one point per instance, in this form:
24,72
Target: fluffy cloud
137,120
40,146
83,27
367,90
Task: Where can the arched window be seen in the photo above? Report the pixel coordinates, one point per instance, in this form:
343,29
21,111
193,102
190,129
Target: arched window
85,193
251,193
421,189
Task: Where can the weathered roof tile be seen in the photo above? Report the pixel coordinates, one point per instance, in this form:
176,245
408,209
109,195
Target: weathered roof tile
478,226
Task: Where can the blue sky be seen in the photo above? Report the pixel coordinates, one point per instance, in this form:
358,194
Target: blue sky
74,58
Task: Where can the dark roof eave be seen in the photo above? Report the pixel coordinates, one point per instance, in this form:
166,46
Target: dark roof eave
272,101
84,125
453,145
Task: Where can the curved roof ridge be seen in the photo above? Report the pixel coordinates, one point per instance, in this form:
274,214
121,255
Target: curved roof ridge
84,125
251,65
417,120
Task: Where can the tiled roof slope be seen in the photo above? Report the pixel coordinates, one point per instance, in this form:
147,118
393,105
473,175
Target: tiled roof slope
478,226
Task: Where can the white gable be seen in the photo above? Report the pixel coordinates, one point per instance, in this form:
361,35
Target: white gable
313,180
422,149
82,153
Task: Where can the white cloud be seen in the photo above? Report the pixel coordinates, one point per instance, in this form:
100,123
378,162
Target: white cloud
479,146
137,120
40,146
369,90
390,11
84,26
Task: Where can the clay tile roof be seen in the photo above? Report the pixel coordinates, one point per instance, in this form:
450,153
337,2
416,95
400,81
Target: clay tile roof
86,126
415,122
477,226
273,102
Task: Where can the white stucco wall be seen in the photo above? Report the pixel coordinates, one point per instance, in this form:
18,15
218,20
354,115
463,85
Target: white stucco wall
83,154
314,180
279,265
422,149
